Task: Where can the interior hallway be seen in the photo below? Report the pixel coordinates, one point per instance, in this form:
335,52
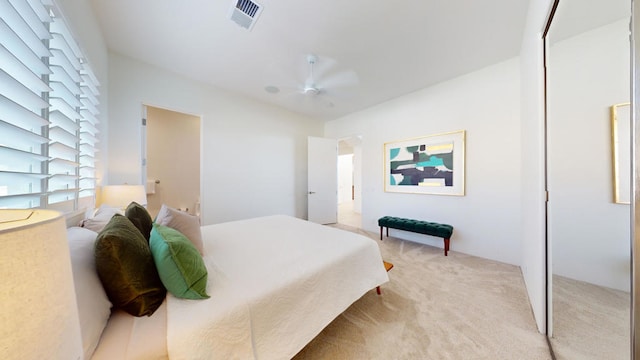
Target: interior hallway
346,215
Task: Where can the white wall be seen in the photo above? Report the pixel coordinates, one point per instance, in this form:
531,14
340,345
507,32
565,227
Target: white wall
486,104
532,235
345,178
587,74
357,179
254,156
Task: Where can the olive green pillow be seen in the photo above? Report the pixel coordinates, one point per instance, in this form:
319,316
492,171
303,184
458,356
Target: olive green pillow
140,217
179,263
126,269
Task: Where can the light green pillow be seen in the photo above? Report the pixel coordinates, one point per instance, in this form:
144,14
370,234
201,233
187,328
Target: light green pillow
179,263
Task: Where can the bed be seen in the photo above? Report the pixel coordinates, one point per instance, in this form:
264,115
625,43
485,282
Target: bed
274,283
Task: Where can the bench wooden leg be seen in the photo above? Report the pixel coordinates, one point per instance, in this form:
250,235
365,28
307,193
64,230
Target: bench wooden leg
378,290
446,246
381,227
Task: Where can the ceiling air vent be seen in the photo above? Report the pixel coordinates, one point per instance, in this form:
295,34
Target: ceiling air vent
245,13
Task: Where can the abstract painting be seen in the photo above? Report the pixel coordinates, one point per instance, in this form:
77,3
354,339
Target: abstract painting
426,165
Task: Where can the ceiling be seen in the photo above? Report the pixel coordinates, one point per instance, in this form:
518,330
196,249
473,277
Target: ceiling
574,17
394,47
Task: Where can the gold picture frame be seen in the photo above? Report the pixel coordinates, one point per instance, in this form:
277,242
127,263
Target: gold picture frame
621,151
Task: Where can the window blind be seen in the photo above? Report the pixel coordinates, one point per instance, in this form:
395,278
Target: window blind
89,133
23,106
48,110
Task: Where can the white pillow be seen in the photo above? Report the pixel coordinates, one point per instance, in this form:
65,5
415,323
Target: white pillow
101,218
94,308
187,224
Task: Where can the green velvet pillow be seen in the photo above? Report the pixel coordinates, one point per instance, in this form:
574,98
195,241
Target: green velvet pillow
140,217
179,263
126,269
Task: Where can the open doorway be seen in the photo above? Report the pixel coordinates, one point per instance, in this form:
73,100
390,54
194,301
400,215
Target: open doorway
350,181
172,165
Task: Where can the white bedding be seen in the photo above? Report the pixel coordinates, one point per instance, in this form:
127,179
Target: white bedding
275,282
130,337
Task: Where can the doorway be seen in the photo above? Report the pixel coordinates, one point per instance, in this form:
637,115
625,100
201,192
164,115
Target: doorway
172,160
350,181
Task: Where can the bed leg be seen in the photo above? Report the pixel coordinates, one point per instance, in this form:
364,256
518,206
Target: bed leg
387,266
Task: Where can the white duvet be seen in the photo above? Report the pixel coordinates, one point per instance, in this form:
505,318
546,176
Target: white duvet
275,282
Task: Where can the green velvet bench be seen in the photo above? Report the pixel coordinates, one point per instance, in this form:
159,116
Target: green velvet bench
417,226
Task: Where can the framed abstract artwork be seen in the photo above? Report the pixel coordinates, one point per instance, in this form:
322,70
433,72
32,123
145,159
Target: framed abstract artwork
621,150
426,165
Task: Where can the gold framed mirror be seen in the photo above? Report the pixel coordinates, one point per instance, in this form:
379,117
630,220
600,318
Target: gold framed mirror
621,150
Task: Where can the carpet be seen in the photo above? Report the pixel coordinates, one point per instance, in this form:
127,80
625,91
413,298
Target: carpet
590,321
435,307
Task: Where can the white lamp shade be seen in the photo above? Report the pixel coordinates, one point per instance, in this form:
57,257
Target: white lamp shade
120,196
38,311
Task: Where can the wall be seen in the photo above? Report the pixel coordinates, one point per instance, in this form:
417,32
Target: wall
486,104
587,74
345,178
532,235
254,156
357,178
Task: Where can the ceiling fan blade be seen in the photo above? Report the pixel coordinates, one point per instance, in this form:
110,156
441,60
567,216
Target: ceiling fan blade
341,79
322,66
291,91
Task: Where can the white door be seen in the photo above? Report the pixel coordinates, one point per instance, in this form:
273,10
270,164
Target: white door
322,191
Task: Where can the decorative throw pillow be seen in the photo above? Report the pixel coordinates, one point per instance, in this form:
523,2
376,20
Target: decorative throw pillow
185,223
140,217
126,268
94,308
101,217
179,263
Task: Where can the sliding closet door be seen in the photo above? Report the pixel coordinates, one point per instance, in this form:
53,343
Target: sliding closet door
635,211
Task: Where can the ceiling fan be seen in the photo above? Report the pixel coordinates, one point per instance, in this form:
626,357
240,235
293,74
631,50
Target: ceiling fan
321,84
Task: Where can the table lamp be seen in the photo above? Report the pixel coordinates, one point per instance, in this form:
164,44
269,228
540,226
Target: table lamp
38,311
120,196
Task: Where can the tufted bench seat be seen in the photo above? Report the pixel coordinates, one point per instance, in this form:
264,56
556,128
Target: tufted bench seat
417,226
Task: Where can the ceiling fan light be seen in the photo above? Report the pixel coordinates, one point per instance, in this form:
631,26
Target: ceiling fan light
311,90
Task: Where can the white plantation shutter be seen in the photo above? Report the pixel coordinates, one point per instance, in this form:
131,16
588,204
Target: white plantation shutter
88,131
23,106
48,110
64,110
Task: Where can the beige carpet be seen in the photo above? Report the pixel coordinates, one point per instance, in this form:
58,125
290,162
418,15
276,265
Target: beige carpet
435,307
590,321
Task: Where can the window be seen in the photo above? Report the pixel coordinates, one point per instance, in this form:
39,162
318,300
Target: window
48,110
